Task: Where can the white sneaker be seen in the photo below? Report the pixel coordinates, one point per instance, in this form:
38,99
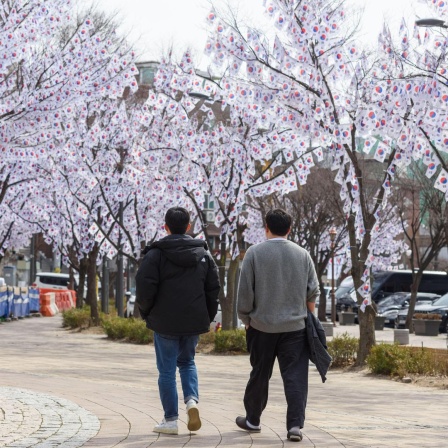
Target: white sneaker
194,422
166,427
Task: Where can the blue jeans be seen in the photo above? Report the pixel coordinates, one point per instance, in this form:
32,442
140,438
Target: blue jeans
172,352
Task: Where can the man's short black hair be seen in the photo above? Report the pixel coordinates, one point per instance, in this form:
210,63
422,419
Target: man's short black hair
278,221
177,220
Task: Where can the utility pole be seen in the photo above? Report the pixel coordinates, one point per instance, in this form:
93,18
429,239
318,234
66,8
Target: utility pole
32,259
128,275
333,301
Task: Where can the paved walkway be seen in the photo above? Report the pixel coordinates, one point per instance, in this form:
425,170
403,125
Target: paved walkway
59,388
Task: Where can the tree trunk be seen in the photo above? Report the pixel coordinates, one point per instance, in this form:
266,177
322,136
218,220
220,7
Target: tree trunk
322,309
445,222
92,296
228,308
71,278
222,276
136,311
366,334
83,264
414,290
112,281
136,308
366,319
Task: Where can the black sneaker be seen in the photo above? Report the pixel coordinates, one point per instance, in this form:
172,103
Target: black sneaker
294,434
242,423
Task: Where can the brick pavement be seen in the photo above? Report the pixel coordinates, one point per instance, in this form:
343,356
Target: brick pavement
36,419
69,389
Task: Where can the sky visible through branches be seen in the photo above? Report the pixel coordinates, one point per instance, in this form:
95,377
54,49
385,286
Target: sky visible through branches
154,26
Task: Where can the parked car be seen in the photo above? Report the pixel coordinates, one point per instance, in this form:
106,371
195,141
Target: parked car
98,286
327,301
52,280
390,306
386,283
345,287
345,296
57,280
217,322
439,306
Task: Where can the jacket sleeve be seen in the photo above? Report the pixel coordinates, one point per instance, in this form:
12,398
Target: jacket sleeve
147,282
246,289
212,288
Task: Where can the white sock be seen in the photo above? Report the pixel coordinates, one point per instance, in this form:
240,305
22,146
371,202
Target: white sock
191,401
252,426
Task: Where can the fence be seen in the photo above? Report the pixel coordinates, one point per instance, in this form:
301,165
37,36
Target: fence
23,302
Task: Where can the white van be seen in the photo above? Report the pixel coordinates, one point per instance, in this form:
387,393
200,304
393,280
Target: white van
52,280
56,280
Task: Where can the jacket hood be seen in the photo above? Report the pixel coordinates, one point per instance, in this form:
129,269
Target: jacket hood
182,250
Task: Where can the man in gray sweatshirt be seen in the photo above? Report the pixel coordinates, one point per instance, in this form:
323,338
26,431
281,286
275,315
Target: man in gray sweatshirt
278,284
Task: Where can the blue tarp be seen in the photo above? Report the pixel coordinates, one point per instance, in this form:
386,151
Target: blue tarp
33,295
17,306
4,304
18,302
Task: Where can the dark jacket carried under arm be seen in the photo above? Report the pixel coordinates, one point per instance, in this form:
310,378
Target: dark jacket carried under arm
317,342
178,286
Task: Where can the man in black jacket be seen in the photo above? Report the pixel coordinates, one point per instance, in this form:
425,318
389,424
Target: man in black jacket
177,294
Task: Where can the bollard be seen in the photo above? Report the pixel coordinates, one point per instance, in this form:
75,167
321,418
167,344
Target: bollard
328,327
401,336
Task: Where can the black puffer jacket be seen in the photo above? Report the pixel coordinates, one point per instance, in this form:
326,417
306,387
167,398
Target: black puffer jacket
178,286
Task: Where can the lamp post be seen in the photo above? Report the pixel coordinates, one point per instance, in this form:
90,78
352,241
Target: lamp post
333,304
428,23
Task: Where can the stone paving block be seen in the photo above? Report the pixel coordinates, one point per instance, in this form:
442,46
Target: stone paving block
45,424
88,391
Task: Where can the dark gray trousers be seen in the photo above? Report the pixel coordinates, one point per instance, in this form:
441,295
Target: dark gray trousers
291,350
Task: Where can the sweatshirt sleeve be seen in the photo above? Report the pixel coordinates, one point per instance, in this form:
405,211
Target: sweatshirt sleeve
147,283
246,289
212,288
313,283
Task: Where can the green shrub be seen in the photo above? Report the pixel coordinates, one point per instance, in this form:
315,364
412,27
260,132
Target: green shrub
397,360
131,330
206,339
343,350
76,317
230,341
438,361
385,359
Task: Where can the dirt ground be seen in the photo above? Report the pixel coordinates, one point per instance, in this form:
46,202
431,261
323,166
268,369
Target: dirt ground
438,382
431,381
